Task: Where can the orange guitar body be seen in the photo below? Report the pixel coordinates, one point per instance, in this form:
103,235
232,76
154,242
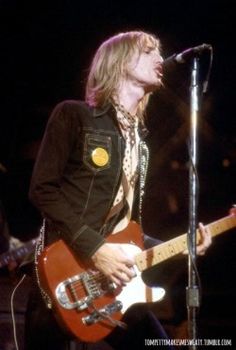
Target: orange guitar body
85,302
57,263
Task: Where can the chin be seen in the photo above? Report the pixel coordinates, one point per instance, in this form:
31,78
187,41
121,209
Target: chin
155,86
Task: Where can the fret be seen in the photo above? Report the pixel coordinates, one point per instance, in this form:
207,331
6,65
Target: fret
18,253
163,251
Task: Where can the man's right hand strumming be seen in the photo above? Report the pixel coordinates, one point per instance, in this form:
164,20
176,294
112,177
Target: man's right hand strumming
114,263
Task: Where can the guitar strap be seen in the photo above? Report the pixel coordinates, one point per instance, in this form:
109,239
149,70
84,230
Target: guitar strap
40,245
142,172
118,207
143,167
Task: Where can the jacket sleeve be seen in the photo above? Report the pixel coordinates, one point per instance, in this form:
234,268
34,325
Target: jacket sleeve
45,191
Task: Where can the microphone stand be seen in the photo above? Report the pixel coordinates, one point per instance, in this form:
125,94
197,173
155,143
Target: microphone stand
192,291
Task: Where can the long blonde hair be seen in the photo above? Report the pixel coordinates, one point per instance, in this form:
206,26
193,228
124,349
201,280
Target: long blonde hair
109,65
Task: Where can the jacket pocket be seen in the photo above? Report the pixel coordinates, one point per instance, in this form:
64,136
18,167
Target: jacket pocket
97,152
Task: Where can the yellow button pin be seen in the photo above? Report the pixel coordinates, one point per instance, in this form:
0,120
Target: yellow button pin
100,156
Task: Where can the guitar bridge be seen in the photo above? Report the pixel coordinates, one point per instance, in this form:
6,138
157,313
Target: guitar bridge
90,284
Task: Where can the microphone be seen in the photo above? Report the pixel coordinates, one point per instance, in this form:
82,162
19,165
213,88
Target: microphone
186,55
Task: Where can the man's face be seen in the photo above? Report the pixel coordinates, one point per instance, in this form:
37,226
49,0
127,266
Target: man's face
145,69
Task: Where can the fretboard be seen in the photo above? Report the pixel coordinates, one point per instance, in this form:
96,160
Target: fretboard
18,253
166,250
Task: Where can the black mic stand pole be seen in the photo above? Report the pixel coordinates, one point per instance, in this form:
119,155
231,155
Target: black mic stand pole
192,293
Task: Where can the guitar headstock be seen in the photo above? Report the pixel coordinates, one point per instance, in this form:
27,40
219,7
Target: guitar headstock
233,210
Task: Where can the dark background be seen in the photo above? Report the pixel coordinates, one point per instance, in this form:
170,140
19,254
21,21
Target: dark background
45,51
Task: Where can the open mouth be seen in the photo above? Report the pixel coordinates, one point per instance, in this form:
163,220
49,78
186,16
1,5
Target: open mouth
159,72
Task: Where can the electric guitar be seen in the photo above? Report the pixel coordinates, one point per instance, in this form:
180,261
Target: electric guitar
85,302
17,254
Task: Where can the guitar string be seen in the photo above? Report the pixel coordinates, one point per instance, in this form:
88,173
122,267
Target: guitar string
99,277
78,286
90,279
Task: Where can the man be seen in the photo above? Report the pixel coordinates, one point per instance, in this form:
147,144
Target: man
88,167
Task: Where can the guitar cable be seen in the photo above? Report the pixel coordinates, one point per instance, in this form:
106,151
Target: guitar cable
102,314
12,311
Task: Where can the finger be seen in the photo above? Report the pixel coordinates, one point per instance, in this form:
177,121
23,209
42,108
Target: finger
127,260
115,279
201,249
123,276
130,272
206,238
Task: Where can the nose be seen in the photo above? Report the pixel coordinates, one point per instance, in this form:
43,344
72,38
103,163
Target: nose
159,59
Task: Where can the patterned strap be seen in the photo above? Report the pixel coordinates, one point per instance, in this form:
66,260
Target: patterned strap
144,160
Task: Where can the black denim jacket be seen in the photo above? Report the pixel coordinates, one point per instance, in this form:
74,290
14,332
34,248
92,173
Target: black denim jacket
72,192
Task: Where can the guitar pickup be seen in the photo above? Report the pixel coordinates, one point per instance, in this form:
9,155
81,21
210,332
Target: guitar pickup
69,292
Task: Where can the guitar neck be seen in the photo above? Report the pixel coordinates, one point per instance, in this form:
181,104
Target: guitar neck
17,254
175,246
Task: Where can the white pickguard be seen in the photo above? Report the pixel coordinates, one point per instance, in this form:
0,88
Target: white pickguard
135,290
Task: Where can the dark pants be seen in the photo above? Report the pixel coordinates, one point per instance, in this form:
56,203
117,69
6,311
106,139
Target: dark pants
43,333
41,329
142,324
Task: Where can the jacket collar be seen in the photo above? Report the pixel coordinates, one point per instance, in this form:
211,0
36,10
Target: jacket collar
99,111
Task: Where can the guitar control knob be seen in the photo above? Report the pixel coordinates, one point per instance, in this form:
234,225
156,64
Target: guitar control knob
103,313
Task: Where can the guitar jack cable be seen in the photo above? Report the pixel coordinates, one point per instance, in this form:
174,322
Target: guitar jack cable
13,313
